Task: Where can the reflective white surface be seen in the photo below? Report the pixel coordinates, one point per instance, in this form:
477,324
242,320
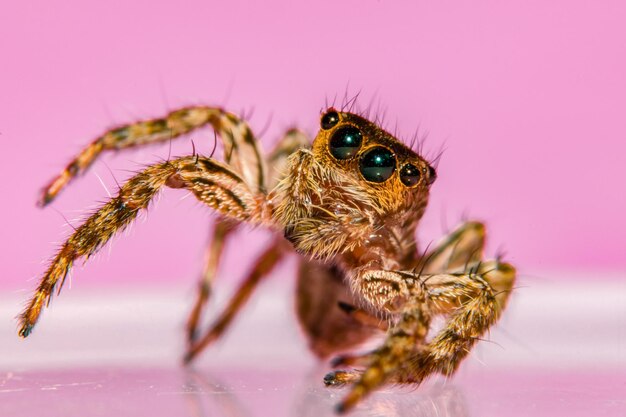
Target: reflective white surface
559,350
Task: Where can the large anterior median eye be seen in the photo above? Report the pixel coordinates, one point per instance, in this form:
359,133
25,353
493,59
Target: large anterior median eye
377,164
345,142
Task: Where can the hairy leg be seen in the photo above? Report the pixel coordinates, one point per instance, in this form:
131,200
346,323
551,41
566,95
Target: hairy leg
212,182
241,150
263,266
222,230
462,246
479,297
473,299
292,140
401,293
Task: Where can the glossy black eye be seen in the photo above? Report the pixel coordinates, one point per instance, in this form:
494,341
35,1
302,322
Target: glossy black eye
377,164
432,175
345,142
409,175
329,120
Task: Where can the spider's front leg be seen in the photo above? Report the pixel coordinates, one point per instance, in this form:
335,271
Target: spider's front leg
462,246
212,182
461,251
401,293
473,300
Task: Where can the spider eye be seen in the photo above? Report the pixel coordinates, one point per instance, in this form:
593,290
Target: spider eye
377,164
432,175
330,119
345,142
409,175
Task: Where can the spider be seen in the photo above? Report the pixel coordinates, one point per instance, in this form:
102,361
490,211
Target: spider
349,203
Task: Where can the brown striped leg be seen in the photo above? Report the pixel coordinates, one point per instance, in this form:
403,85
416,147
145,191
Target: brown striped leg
387,360
263,266
478,299
402,293
222,230
474,300
292,140
212,182
241,150
463,246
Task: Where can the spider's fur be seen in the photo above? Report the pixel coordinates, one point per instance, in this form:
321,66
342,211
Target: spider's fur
361,261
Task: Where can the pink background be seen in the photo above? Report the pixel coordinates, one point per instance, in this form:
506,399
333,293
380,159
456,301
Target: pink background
528,100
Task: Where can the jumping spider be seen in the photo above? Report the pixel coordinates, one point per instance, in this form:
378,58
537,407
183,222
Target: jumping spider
350,204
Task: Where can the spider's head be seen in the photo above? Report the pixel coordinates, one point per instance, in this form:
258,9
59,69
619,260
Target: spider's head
368,159
358,185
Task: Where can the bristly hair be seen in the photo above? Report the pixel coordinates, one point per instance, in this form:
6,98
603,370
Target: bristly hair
377,113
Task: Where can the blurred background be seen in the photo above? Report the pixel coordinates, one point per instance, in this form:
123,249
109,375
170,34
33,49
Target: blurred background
527,102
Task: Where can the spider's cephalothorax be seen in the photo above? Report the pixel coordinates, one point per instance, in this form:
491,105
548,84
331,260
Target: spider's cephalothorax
358,192
350,204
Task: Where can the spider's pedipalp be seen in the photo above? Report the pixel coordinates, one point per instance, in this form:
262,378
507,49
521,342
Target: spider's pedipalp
211,182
